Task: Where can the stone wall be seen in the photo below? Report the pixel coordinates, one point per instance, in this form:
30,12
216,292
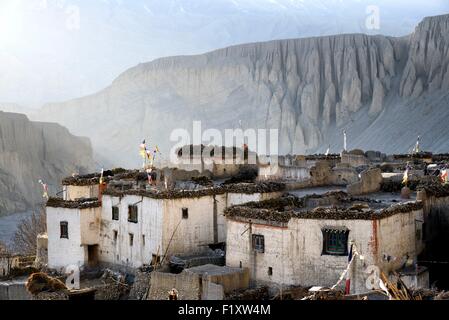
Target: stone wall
370,181
187,285
354,160
197,284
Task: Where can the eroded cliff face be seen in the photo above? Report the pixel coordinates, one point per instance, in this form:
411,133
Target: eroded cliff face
428,60
310,89
30,151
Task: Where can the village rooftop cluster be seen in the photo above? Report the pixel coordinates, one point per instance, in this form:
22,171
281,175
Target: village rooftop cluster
350,225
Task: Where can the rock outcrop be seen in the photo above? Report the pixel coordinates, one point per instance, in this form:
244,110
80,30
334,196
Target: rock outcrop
383,91
30,151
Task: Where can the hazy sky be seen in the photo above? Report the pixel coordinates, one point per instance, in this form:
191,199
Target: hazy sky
53,50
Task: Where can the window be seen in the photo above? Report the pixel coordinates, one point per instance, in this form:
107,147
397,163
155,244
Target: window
335,241
132,214
64,226
131,239
270,271
115,235
258,243
185,213
115,213
143,239
155,260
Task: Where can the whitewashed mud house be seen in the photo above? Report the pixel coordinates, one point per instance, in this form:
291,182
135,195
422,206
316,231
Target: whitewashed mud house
285,242
307,171
215,162
73,232
132,223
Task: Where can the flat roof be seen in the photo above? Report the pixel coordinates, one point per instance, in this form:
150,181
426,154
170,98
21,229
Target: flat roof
341,207
94,178
316,190
244,188
75,204
214,270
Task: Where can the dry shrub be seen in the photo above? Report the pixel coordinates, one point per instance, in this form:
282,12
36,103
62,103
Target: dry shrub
41,282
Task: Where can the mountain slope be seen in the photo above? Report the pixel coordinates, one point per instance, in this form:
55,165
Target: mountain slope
30,151
380,89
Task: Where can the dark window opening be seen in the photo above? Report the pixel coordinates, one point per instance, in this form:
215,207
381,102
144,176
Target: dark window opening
240,264
115,213
270,271
64,226
132,214
185,213
115,235
131,239
335,241
143,239
155,260
258,243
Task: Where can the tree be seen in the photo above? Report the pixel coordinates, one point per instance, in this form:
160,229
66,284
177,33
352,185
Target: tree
25,238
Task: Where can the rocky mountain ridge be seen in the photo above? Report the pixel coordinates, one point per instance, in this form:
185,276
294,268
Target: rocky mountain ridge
31,151
383,91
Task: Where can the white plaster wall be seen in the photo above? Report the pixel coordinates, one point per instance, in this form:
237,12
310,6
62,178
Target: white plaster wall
275,171
149,224
78,192
64,252
275,255
295,173
397,238
240,198
222,202
314,268
192,234
90,220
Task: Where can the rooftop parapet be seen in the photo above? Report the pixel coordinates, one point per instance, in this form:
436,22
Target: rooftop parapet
436,190
281,210
94,178
76,204
245,188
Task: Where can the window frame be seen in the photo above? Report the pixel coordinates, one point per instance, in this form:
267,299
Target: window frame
114,218
63,235
185,213
258,243
130,214
335,235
